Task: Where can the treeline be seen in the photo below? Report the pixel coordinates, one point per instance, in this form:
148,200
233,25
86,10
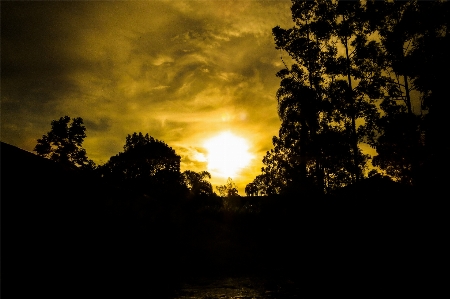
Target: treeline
352,70
146,166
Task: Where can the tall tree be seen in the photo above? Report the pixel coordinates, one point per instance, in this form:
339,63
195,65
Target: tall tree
329,88
414,36
396,25
397,144
356,74
301,93
430,69
64,143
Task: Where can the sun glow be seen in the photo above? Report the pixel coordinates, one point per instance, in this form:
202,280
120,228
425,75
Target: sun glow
227,154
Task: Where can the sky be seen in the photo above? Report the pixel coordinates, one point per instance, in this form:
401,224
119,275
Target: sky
183,71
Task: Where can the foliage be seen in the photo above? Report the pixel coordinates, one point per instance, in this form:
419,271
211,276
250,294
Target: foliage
356,76
63,143
400,146
396,25
228,190
147,164
197,183
431,71
353,66
322,97
251,189
258,187
414,36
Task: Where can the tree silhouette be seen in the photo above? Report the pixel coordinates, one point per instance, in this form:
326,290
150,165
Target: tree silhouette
197,183
322,96
303,104
429,61
400,147
414,37
259,186
430,66
356,75
147,164
301,94
63,143
298,110
228,190
251,189
396,24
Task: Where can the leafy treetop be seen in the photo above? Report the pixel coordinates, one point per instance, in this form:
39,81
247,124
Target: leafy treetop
63,143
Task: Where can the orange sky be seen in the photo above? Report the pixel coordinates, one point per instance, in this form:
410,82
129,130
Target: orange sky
182,71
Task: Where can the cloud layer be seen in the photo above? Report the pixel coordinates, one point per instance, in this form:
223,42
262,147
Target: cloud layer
182,71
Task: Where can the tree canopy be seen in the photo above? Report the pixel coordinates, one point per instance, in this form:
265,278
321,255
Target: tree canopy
197,183
146,164
64,143
348,80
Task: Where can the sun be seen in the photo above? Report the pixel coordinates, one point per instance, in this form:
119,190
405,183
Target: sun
227,154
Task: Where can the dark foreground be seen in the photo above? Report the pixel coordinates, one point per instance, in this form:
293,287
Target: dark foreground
71,236
239,287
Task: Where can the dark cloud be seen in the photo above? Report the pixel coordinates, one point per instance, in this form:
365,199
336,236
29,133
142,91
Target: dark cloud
98,125
34,60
